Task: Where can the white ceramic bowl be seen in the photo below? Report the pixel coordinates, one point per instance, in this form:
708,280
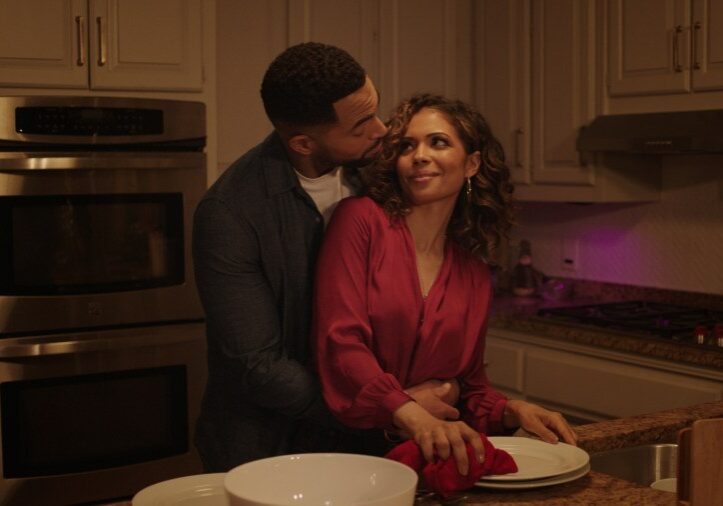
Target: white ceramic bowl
321,479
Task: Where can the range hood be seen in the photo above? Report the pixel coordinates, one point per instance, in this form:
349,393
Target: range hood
686,132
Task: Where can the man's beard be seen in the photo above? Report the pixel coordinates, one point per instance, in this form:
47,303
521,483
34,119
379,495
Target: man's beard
325,163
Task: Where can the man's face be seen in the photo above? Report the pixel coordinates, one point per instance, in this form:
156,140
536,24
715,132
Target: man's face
355,139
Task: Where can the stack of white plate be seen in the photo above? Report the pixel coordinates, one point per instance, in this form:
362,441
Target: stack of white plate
539,464
195,490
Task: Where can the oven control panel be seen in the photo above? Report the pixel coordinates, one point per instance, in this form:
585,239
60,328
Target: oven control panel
82,121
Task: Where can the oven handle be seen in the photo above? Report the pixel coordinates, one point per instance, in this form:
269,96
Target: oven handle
41,347
130,160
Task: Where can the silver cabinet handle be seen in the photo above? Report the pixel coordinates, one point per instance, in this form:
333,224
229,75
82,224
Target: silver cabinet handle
676,49
102,55
518,143
80,31
696,31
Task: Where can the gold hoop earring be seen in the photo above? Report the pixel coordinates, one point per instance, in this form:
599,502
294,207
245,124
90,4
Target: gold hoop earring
469,188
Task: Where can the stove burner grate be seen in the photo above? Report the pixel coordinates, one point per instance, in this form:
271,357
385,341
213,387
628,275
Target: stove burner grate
654,319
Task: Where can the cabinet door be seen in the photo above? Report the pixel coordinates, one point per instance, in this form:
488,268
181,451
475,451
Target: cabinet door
352,25
136,44
649,47
425,46
502,77
609,388
707,45
42,43
563,89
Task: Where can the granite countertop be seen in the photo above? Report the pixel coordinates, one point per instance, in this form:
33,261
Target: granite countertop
519,314
595,488
599,488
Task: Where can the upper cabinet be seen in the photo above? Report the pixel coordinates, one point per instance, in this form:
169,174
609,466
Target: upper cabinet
502,77
102,44
670,46
406,46
663,55
538,82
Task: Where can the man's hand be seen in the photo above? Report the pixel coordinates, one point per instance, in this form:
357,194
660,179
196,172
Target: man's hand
437,397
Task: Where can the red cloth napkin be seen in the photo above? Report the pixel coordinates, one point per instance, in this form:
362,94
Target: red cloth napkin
442,477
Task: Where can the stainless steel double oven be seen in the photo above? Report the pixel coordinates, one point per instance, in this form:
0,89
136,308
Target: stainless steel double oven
101,333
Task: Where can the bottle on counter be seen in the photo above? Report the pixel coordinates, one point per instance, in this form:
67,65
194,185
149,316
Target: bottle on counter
526,280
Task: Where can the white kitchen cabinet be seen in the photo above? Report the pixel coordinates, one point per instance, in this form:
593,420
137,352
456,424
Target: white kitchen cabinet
593,383
502,76
563,89
406,46
537,76
350,24
424,46
102,44
664,47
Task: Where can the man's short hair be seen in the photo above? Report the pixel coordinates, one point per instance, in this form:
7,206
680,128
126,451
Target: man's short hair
302,84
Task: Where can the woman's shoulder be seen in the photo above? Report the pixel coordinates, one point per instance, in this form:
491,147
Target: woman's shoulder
470,262
361,207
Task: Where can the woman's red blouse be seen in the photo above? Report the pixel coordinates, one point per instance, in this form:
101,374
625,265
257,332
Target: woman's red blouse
377,335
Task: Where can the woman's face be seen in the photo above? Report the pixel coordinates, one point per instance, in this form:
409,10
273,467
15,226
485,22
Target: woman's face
433,164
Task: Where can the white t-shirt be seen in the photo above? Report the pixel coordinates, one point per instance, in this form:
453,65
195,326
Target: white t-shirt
326,191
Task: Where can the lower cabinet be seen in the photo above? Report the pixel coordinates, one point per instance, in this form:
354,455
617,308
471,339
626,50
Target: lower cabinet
590,384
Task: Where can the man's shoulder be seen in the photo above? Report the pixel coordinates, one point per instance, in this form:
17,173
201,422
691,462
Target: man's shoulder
245,180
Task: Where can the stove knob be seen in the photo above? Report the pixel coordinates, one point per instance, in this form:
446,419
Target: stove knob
701,331
718,332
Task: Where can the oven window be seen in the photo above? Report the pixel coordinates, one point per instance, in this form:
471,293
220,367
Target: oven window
90,243
92,422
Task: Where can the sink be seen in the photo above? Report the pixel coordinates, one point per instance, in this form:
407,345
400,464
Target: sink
640,464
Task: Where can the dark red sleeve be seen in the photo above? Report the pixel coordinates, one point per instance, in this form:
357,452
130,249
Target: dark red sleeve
358,392
484,405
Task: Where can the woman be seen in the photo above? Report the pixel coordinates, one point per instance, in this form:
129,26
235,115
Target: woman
403,288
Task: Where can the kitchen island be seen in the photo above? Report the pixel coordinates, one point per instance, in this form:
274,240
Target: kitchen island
596,488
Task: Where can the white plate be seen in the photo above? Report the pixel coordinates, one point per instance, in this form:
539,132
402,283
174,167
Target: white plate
545,482
536,459
195,490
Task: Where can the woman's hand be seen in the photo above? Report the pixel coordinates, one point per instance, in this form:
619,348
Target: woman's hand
550,426
438,397
448,438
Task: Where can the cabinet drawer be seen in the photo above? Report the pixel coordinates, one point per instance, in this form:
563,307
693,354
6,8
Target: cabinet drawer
610,388
505,365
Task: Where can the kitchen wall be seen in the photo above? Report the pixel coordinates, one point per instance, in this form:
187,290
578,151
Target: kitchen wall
248,37
676,243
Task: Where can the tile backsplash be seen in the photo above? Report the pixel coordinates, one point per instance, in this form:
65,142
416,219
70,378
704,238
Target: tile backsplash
675,243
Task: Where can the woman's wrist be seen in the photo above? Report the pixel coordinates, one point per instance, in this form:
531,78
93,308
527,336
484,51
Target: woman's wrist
510,420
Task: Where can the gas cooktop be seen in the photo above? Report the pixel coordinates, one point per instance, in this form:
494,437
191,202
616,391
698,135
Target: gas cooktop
657,320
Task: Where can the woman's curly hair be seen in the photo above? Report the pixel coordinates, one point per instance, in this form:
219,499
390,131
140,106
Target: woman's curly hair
478,223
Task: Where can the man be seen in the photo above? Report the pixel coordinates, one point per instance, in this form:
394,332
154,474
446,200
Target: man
256,235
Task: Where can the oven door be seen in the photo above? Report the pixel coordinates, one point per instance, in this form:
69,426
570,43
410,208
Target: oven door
99,415
97,241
